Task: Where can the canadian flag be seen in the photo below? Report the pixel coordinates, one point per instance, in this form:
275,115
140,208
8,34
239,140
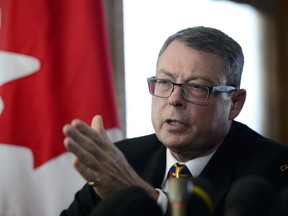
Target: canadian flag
54,66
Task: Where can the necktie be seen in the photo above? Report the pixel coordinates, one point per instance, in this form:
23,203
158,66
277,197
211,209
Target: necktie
179,171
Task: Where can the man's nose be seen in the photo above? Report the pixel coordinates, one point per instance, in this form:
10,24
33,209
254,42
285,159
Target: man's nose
176,98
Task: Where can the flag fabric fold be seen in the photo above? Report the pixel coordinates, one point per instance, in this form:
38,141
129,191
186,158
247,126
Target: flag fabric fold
54,66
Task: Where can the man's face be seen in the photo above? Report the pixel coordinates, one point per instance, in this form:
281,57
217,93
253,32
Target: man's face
191,129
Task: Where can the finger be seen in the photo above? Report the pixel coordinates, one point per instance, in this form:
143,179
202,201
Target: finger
80,138
87,173
94,135
83,148
97,125
81,154
78,131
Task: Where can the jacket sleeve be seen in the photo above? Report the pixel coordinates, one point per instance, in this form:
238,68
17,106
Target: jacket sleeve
84,202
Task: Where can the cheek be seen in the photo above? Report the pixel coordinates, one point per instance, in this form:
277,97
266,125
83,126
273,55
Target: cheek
153,107
158,104
156,110
221,115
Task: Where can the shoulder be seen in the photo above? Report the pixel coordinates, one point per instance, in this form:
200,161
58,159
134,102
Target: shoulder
249,140
151,138
252,151
146,143
139,150
256,154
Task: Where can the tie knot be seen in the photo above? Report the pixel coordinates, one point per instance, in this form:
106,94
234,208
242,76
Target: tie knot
179,171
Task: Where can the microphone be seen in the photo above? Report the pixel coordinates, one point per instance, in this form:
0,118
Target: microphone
179,190
249,196
130,201
187,197
280,205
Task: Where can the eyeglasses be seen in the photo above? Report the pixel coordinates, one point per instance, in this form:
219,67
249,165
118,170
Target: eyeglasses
193,93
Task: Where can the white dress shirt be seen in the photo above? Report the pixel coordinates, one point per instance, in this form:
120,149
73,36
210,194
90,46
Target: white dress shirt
195,166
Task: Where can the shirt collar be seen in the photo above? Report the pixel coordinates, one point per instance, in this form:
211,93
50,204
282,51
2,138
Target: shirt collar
195,165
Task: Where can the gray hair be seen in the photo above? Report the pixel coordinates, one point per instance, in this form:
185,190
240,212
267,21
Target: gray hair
214,41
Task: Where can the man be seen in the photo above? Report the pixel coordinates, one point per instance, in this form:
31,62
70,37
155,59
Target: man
196,97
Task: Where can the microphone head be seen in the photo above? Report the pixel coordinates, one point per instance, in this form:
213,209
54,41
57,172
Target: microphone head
201,200
130,201
187,197
179,190
280,205
249,196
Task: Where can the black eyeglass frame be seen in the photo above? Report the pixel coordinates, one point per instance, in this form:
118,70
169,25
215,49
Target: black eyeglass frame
220,88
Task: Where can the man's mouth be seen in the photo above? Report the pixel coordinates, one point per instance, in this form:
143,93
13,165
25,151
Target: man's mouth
174,122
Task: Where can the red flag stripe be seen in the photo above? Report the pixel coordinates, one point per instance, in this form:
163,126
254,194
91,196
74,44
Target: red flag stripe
75,78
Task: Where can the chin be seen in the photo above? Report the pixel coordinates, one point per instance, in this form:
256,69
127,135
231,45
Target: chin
172,142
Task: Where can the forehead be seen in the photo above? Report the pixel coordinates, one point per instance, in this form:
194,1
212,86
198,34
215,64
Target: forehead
183,63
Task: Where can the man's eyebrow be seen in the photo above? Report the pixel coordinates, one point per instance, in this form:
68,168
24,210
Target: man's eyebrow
189,78
203,78
163,71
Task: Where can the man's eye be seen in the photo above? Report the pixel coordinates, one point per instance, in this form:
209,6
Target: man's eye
163,82
196,87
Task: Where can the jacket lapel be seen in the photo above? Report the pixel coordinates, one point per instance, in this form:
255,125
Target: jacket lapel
220,169
155,168
218,172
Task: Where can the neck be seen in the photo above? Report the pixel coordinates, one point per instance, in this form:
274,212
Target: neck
187,156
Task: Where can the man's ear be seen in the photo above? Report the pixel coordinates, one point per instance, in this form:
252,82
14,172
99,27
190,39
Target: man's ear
238,100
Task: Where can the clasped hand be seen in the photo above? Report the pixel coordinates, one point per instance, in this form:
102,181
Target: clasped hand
99,160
